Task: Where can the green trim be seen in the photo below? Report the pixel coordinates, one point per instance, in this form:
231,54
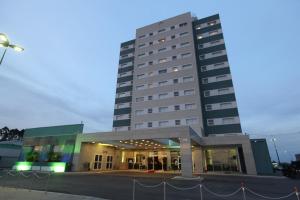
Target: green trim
10,146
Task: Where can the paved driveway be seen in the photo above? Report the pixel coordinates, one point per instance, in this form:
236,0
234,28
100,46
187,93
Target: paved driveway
119,185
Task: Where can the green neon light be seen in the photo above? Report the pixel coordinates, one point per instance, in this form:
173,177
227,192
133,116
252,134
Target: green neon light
23,166
54,166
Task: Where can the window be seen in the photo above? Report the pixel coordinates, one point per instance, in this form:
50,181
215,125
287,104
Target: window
163,60
109,162
141,65
201,57
189,106
182,24
176,94
141,55
184,34
203,68
163,83
187,66
221,77
150,73
205,80
150,52
163,123
150,85
185,55
97,161
175,69
139,125
161,30
184,44
172,27
199,37
124,56
149,124
177,122
125,47
211,23
219,64
161,40
139,112
140,87
228,120
142,36
139,99
207,93
162,71
225,105
173,37
208,107
200,46
140,76
189,92
175,81
188,79
150,110
216,52
123,74
215,42
198,27
174,57
150,97
163,95
210,122
163,109
150,63
177,107
122,84
174,47
150,43
223,91
123,94
213,33
191,121
162,49
150,34
142,45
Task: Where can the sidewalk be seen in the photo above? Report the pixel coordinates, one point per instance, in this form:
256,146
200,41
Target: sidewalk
24,194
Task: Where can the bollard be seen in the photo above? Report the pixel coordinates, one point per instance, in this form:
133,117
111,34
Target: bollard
133,190
200,187
165,190
297,193
243,190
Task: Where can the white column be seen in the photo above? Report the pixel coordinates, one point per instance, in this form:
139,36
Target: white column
186,157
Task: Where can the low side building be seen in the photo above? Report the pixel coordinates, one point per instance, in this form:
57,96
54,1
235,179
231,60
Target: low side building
9,153
262,156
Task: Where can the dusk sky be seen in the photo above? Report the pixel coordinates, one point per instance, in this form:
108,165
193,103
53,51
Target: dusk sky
67,73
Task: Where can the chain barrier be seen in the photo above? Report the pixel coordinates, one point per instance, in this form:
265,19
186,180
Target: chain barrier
204,188
271,198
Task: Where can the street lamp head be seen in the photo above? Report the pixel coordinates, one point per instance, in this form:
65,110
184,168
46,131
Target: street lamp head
16,48
3,37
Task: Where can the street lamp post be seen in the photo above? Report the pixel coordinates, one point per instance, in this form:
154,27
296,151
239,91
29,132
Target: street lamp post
4,42
273,140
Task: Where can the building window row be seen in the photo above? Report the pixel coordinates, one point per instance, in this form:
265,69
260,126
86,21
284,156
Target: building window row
167,123
223,121
220,106
162,109
126,55
163,30
163,39
127,47
123,94
124,74
123,105
165,49
212,54
220,91
164,60
122,128
123,84
127,64
208,34
213,79
207,24
214,66
210,44
122,117
166,95
184,79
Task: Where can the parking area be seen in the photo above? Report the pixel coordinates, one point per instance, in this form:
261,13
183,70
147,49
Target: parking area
119,185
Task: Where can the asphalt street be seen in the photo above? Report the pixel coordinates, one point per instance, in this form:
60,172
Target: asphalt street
119,185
